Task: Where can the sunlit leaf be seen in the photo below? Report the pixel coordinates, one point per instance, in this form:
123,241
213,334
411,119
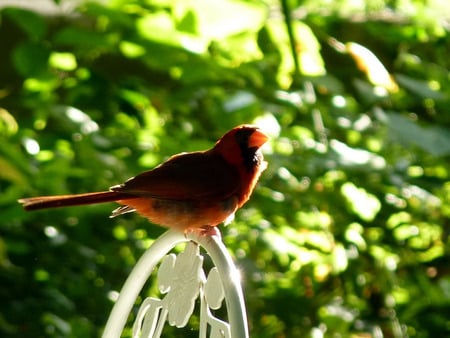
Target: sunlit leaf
368,62
397,219
403,232
310,60
131,50
237,49
352,157
160,27
362,203
384,257
63,61
213,17
313,220
354,234
8,124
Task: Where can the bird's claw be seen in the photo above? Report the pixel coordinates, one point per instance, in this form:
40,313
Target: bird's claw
206,230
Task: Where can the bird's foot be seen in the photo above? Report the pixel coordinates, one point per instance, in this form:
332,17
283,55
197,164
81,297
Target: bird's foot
207,230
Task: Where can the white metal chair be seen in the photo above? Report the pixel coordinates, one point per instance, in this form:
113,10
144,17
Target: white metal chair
181,280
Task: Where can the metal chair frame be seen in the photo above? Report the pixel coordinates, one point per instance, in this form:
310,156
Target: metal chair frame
181,279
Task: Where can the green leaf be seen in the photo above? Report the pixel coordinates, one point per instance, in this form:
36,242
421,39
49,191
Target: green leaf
188,22
419,87
82,38
433,139
30,22
30,59
10,172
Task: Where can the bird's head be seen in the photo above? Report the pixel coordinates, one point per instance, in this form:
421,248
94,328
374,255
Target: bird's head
241,146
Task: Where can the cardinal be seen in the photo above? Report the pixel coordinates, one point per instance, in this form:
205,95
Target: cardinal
189,191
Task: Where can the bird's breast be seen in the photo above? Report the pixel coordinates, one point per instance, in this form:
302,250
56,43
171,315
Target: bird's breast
184,214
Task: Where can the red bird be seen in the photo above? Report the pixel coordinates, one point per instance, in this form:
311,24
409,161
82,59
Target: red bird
188,191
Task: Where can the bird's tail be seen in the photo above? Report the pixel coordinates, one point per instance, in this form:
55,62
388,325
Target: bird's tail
42,202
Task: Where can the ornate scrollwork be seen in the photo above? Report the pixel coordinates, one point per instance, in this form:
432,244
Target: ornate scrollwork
181,281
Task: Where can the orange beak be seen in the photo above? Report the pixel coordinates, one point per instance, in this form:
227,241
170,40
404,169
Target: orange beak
257,139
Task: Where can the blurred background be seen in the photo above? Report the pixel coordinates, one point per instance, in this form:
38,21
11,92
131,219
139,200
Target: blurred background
347,233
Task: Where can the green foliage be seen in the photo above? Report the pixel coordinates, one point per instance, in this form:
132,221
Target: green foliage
347,233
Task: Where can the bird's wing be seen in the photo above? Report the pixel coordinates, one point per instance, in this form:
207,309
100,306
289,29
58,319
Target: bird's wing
188,176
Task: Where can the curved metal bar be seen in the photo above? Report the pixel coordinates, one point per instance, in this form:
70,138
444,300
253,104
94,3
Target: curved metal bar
229,276
136,280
